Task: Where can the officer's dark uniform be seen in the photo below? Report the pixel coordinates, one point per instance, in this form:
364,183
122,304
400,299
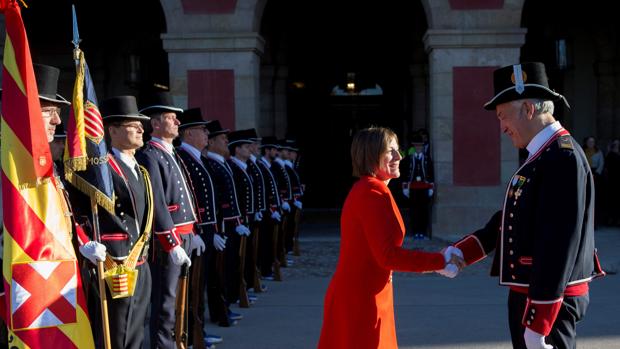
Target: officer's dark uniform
296,193
272,200
420,182
283,181
544,236
260,205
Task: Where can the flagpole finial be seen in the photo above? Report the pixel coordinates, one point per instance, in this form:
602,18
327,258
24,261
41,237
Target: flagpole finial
76,33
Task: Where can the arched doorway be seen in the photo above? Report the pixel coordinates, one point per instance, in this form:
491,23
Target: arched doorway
328,71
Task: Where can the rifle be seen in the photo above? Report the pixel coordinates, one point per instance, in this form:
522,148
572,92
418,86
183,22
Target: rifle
244,302
296,232
180,331
281,251
197,302
256,273
277,274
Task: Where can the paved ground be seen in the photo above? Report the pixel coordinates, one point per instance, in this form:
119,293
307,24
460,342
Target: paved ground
468,312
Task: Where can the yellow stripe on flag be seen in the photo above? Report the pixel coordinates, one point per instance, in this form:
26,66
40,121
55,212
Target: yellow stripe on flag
11,64
16,159
12,248
76,331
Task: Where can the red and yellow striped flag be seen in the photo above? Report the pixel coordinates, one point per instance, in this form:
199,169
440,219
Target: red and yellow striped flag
44,302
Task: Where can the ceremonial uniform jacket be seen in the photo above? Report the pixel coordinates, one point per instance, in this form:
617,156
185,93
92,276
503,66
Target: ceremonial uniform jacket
419,171
258,182
544,236
272,197
282,179
296,189
202,183
227,207
243,185
120,231
174,206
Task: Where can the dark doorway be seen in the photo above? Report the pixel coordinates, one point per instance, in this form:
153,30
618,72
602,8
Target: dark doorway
326,45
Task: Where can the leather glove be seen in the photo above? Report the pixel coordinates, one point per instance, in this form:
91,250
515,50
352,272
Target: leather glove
286,207
258,216
535,340
179,257
430,193
93,251
197,245
275,215
406,192
219,242
297,204
242,230
450,271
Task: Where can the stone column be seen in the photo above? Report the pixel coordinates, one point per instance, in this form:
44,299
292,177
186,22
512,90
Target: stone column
273,87
461,63
213,68
419,100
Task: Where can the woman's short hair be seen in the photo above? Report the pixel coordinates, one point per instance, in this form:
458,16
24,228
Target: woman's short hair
368,146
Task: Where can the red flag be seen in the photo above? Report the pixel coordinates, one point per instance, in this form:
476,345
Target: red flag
44,300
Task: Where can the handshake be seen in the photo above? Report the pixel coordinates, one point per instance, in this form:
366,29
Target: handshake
454,262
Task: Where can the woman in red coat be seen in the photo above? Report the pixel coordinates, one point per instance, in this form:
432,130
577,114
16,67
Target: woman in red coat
359,305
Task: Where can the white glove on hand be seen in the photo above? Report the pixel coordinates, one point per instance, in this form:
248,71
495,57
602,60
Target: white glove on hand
430,193
449,251
219,242
450,271
93,251
197,245
242,230
179,257
276,216
286,207
535,340
406,192
297,204
258,216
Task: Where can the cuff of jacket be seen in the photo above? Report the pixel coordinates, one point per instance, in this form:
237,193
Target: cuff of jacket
539,316
471,248
168,239
81,234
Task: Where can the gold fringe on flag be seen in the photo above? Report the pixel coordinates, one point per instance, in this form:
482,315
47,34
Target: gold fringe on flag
88,189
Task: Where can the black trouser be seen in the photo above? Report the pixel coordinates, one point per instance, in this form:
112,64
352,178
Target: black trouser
128,315
165,276
563,333
250,264
265,245
218,310
289,234
419,211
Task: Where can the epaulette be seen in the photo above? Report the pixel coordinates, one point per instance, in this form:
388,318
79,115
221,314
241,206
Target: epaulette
565,142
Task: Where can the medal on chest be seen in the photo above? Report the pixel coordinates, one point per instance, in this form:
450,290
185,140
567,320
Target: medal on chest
515,186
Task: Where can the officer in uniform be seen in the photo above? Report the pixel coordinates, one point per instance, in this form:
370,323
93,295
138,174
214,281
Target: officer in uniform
230,221
174,215
124,235
418,187
283,181
287,148
194,138
544,236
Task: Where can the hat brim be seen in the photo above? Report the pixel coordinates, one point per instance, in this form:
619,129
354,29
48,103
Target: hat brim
57,99
160,108
240,142
217,133
270,145
114,118
531,91
192,124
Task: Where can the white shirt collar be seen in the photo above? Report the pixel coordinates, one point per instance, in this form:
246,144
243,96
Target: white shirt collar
216,157
288,163
128,160
279,161
253,158
542,137
166,145
191,149
241,164
266,162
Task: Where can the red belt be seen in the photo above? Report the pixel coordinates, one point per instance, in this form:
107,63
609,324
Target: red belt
185,229
570,291
420,185
141,261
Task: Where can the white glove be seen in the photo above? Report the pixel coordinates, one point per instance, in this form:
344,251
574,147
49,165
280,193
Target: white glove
449,251
406,192
430,193
93,251
450,271
276,216
297,204
242,230
535,340
286,207
179,257
197,245
258,216
219,242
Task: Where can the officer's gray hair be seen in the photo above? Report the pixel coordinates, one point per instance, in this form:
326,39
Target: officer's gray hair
542,106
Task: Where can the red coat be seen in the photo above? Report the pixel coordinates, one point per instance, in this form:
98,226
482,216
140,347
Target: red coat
359,305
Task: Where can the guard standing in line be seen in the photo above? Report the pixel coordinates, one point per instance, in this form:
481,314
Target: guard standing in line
286,150
125,236
228,216
194,139
418,188
544,235
174,216
278,168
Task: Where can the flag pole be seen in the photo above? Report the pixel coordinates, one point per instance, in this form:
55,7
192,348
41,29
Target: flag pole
93,204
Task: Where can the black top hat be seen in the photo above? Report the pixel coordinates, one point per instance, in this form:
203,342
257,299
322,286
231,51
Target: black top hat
236,138
521,81
120,108
253,135
191,117
157,102
215,129
290,144
47,83
269,142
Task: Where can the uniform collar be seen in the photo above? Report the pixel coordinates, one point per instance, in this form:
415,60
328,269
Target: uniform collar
130,161
266,162
253,158
239,163
288,163
542,137
166,145
191,150
216,157
279,161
